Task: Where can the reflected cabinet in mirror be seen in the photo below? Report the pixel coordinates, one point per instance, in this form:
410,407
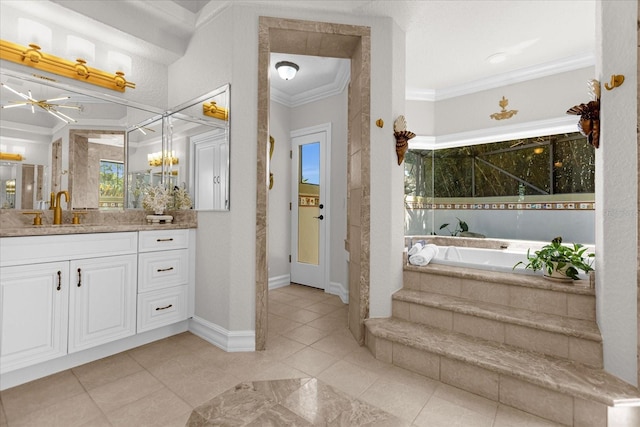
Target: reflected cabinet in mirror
186,150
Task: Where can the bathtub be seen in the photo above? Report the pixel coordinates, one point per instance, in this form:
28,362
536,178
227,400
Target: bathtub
498,258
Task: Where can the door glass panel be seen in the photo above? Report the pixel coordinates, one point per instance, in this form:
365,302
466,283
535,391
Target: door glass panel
308,204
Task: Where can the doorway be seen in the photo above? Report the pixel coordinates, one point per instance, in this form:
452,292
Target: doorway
333,40
309,214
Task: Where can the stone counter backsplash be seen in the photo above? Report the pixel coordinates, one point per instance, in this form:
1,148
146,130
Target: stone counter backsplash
15,223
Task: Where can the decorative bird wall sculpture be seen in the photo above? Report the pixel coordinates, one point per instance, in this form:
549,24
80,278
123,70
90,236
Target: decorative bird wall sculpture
589,124
402,137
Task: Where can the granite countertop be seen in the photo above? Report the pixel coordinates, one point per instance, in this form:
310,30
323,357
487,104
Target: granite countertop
14,224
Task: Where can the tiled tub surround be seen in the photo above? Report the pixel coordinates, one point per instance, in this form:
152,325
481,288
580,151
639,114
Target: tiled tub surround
519,340
13,223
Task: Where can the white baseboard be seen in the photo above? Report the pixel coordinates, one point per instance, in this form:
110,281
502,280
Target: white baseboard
230,341
340,290
279,281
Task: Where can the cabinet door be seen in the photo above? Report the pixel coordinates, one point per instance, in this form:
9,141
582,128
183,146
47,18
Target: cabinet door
33,314
102,301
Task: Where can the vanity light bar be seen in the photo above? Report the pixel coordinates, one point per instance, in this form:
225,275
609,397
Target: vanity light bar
32,56
212,110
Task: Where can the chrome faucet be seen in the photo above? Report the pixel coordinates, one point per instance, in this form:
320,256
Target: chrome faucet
57,210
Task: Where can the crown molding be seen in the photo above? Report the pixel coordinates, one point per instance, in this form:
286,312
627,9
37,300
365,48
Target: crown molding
336,87
499,80
496,134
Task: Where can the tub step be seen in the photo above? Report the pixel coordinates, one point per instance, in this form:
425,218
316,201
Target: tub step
560,390
528,292
554,335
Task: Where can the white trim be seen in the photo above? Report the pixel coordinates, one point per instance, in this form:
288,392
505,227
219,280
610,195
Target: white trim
499,80
230,341
338,289
279,281
496,134
40,370
342,77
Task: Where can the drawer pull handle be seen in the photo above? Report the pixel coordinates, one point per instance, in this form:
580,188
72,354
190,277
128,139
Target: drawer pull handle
79,278
59,280
160,270
164,308
170,239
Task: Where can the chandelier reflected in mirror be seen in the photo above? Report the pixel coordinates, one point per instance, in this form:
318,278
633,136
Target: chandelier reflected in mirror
48,105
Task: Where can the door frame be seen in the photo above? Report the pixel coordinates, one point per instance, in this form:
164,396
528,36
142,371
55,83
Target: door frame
326,172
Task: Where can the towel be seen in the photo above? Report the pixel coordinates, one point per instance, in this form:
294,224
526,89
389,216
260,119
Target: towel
424,256
417,247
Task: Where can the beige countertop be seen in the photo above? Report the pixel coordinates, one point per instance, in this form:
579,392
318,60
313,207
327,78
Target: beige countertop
14,224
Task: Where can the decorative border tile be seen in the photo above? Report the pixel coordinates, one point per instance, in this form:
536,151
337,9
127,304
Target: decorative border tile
548,206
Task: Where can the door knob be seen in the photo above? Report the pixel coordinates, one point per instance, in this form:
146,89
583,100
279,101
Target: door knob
321,217
321,206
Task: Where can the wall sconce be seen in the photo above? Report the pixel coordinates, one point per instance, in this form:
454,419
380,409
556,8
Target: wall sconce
11,156
212,110
156,159
538,150
32,56
287,70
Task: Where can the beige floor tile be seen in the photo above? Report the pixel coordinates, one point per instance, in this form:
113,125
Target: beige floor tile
337,344
310,360
103,371
442,413
152,410
101,421
158,352
328,323
190,341
306,334
323,308
349,378
279,347
401,400
278,371
124,391
363,358
73,411
302,316
305,301
411,379
340,313
3,418
510,417
278,325
24,399
478,404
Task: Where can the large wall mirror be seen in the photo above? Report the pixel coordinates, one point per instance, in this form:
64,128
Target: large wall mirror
55,137
101,149
185,148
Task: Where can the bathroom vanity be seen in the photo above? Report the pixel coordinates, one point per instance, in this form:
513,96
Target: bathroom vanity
67,299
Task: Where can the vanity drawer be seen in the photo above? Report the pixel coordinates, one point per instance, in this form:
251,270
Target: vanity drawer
158,270
162,240
163,307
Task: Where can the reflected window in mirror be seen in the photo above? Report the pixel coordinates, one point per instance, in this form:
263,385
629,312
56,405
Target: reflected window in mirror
111,184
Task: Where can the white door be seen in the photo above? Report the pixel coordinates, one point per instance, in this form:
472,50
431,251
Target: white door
309,213
33,314
102,302
210,154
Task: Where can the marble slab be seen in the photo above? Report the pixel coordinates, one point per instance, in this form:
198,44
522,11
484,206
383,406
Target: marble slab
289,402
552,373
14,223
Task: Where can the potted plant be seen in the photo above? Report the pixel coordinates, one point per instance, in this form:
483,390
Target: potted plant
560,261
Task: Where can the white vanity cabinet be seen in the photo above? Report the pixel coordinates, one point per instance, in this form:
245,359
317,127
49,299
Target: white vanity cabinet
163,278
63,294
33,322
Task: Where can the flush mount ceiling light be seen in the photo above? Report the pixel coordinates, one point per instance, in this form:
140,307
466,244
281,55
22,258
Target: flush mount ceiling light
287,70
45,104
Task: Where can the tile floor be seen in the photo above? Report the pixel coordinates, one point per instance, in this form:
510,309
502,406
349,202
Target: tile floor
161,383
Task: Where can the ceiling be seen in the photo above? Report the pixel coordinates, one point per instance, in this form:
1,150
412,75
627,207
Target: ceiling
448,41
